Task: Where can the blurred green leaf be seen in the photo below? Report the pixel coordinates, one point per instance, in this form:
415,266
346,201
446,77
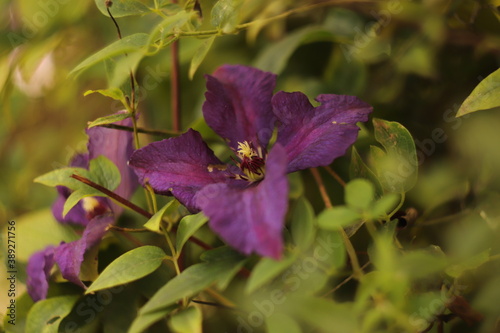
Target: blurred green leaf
200,55
120,8
129,267
397,166
473,262
46,315
187,227
187,321
485,96
358,169
225,15
359,194
168,26
267,269
383,206
126,44
337,217
224,253
302,226
278,323
275,57
113,118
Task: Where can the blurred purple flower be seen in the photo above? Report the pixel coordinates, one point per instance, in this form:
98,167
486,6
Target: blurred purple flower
93,213
247,201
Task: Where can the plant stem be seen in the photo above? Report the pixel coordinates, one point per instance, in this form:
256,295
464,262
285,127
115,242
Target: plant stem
351,252
166,134
132,206
335,175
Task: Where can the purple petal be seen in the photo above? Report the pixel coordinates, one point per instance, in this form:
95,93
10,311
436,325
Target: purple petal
312,136
238,104
76,215
251,219
178,166
38,271
118,146
69,256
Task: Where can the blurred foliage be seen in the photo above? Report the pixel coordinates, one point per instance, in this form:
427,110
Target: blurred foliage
416,62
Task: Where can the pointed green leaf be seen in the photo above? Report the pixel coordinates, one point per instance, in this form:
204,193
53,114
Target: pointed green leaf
337,217
122,67
121,8
154,223
187,227
470,263
168,26
113,118
113,93
302,226
187,321
46,315
384,206
62,177
485,96
129,267
200,55
104,172
190,282
358,169
78,195
359,194
126,44
397,168
267,269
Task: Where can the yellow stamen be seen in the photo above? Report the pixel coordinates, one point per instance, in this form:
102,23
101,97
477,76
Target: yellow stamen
244,150
89,204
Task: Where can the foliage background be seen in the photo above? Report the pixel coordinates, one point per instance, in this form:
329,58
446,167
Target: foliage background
414,61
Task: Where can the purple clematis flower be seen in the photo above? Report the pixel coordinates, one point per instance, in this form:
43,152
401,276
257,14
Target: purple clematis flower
247,201
94,213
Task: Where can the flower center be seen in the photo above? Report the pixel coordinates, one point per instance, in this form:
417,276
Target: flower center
93,207
252,162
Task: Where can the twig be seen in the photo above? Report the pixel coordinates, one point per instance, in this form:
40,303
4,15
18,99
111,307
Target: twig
166,134
335,175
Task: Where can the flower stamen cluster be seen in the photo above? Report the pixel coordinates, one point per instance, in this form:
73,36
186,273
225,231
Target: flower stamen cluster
252,163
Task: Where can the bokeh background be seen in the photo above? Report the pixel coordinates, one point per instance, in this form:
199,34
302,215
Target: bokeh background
414,61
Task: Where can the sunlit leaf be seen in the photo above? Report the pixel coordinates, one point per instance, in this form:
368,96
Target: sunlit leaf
46,315
225,14
168,26
129,267
120,8
485,96
154,223
358,169
121,46
113,118
62,177
187,227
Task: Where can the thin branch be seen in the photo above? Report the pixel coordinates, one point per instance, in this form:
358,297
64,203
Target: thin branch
321,187
335,175
132,206
166,134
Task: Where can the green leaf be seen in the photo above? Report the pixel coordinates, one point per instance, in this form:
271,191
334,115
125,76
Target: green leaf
78,195
154,223
127,44
359,194
129,267
397,167
200,55
187,227
358,169
275,57
46,315
267,269
168,26
122,8
485,96
384,206
62,177
113,93
187,321
122,67
279,323
104,172
337,217
113,118
190,282
224,253
142,322
225,15
302,226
